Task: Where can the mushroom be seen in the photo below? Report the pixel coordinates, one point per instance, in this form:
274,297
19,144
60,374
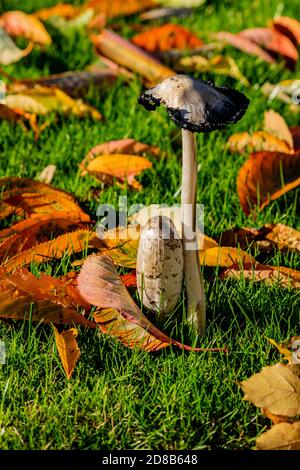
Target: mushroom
194,106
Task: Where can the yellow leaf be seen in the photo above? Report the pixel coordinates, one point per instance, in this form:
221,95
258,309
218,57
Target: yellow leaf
68,349
286,353
282,436
224,256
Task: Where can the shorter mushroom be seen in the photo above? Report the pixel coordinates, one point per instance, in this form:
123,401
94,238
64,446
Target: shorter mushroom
195,106
159,267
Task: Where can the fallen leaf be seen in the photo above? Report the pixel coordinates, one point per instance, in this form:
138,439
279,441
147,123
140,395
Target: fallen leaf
115,8
25,234
275,388
266,176
34,197
132,57
73,83
219,65
68,349
129,280
18,23
283,436
224,257
65,10
99,284
283,236
284,277
67,244
290,27
275,124
122,167
258,141
123,146
9,52
243,44
42,100
166,37
47,174
276,419
274,42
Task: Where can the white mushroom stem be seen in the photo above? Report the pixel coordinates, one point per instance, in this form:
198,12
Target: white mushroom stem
192,273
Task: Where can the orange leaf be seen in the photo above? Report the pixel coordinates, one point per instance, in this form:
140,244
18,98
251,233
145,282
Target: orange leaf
118,7
290,27
224,256
166,37
68,349
132,57
67,244
274,42
258,141
100,284
65,10
26,233
120,166
265,177
18,23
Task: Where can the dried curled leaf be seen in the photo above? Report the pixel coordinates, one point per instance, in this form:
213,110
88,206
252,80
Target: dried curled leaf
282,436
18,23
132,57
26,233
258,141
166,37
67,244
122,167
284,277
274,42
265,177
275,388
290,27
100,284
68,349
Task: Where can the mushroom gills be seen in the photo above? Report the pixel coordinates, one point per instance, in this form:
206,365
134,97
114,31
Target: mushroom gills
159,266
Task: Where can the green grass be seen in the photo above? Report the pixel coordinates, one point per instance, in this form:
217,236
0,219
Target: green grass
118,398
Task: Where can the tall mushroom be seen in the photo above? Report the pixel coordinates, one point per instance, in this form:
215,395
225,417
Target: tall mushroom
194,106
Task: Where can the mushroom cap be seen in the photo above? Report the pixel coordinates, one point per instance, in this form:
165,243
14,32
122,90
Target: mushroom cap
196,105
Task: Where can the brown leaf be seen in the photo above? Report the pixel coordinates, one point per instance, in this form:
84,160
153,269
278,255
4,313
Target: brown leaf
274,42
73,83
9,52
65,10
286,353
67,244
123,146
26,233
285,277
290,27
122,167
295,131
18,23
282,436
35,197
275,124
68,349
265,177
283,236
100,284
275,388
258,141
49,300
132,57
244,44
166,37
276,419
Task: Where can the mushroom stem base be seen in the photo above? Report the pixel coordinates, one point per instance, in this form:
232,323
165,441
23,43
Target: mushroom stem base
192,273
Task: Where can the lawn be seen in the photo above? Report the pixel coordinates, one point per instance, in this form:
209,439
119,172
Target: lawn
128,399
